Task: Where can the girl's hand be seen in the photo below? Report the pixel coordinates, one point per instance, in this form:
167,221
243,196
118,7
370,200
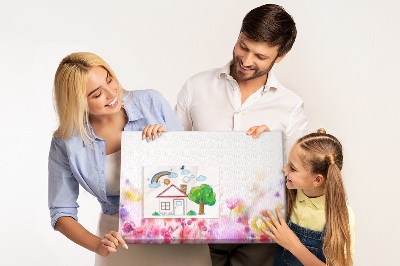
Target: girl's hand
150,132
280,232
110,243
256,131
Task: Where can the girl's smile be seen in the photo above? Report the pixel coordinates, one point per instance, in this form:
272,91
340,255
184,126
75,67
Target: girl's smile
298,177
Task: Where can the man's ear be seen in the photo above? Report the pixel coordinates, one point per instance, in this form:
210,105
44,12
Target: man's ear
319,180
278,59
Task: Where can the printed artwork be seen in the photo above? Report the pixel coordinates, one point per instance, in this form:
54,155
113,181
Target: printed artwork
181,191
199,187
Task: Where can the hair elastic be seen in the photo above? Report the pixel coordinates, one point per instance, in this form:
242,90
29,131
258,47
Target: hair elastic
330,158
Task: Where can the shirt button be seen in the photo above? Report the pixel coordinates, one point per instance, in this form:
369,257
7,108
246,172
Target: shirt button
102,171
306,211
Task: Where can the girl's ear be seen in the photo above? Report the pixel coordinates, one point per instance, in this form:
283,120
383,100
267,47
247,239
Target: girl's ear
319,180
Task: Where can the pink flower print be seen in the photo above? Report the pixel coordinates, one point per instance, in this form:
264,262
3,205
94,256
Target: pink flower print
155,231
233,203
140,231
128,227
166,233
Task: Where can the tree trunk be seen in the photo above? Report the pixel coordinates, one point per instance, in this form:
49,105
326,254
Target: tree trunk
201,207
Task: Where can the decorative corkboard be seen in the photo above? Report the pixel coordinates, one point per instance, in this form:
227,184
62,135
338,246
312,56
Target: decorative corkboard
199,187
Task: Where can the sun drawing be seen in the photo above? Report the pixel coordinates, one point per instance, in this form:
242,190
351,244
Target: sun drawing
166,181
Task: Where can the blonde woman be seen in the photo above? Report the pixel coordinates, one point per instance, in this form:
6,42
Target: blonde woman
93,110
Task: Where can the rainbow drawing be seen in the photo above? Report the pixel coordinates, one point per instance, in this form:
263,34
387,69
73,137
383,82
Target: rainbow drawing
157,176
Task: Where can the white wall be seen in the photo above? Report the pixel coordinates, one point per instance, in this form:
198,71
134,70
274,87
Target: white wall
343,65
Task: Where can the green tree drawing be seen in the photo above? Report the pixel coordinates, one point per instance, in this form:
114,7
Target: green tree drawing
202,195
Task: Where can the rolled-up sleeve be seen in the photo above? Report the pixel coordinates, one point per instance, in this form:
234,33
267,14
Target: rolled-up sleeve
63,187
171,121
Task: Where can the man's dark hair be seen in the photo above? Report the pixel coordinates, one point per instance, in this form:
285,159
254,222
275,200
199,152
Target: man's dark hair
270,24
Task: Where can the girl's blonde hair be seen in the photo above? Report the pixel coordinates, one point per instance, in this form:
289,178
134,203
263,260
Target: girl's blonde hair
322,153
70,94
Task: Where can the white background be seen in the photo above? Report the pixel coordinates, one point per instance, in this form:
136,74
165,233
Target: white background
344,65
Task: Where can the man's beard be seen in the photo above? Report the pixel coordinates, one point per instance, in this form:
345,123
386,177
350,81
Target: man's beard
257,72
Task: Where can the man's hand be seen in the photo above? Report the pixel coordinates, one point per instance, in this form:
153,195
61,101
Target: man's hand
255,131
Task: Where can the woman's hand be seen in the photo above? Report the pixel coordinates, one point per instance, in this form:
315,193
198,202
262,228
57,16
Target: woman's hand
150,131
255,131
110,243
280,232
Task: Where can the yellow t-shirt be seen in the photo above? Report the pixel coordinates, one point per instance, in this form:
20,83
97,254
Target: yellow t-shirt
310,213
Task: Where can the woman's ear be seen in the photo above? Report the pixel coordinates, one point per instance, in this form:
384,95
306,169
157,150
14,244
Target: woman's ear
319,180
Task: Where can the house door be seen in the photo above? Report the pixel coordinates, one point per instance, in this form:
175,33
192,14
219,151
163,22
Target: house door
179,208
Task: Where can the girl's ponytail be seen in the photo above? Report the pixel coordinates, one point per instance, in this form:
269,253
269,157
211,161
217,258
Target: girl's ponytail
322,153
337,219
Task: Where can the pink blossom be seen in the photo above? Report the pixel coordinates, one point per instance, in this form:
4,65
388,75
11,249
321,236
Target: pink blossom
128,227
166,233
233,203
155,231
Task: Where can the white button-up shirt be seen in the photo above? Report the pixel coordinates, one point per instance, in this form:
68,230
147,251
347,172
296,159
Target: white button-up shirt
211,101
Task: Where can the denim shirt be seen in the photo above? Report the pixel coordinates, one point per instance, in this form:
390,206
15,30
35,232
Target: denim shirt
72,162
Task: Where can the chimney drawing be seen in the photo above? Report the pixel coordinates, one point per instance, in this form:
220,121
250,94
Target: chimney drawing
183,188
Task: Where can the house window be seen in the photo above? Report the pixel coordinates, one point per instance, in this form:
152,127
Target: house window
164,205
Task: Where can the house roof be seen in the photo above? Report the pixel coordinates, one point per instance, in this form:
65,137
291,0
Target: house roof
172,192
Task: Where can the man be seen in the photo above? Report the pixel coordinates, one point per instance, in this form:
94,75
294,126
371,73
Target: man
246,95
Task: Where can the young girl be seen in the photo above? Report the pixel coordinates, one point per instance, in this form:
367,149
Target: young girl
320,228
93,110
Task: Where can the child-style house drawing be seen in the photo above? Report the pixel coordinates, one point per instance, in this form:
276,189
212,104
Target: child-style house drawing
172,201
180,192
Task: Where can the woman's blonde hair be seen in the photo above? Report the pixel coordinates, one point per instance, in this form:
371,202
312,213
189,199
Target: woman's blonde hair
322,153
70,94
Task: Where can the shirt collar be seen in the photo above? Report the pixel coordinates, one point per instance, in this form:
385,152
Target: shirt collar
318,202
226,70
132,110
272,81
